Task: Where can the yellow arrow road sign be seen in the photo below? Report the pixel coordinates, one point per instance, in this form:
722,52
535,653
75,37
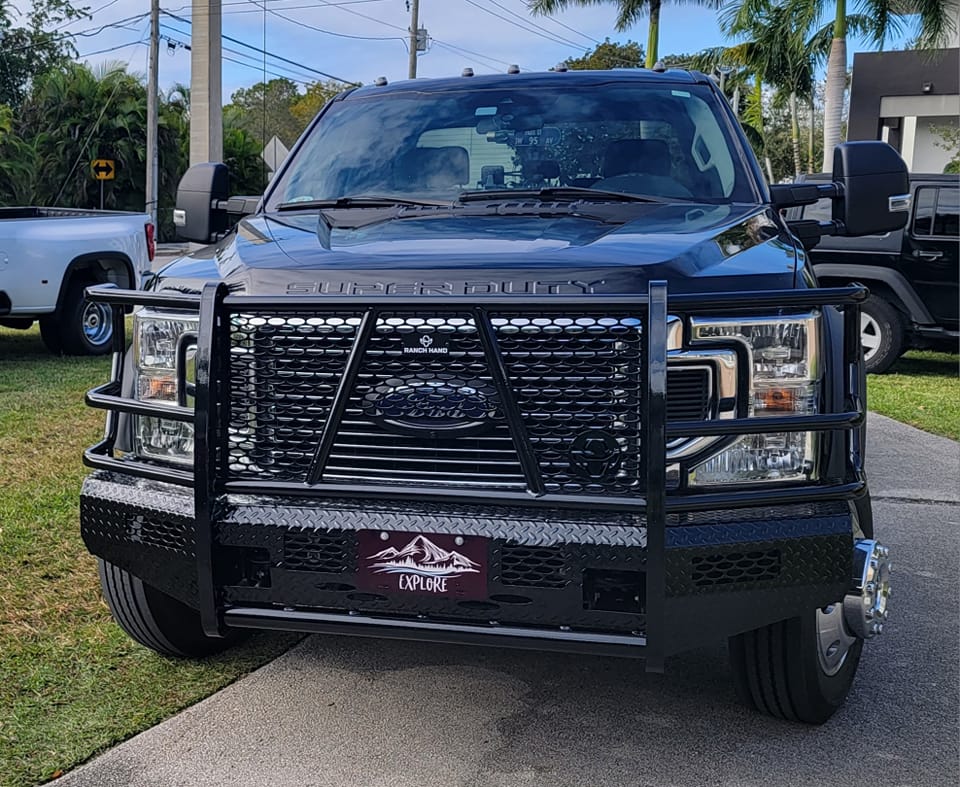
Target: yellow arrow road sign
103,168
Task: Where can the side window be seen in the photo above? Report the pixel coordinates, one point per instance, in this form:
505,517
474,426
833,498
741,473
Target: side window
923,211
946,220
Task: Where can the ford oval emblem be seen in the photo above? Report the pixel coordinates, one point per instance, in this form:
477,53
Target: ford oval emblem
418,404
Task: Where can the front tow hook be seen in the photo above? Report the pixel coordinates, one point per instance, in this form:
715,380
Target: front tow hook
865,606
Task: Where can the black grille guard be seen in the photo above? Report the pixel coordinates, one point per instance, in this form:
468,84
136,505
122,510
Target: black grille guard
215,305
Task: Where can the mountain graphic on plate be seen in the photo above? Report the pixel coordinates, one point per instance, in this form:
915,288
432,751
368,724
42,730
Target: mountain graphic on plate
422,556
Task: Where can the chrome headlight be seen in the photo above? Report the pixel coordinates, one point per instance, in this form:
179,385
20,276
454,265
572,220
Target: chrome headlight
157,340
784,368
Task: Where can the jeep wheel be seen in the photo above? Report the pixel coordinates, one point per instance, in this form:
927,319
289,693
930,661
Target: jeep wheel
156,620
799,669
83,327
881,334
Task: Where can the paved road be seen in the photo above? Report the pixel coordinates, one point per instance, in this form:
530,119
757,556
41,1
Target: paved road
341,712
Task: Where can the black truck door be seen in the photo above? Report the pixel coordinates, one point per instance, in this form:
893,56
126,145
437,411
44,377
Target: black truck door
930,250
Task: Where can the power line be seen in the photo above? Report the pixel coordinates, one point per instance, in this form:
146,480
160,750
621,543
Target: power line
264,52
328,32
290,74
542,32
470,53
109,49
188,8
88,16
88,33
284,72
553,20
438,42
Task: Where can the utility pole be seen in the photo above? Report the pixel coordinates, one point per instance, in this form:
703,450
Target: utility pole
206,83
153,113
414,37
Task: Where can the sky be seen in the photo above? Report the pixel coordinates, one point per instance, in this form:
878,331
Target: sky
360,40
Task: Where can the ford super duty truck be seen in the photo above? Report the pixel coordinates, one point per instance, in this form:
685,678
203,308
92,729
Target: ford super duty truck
529,360
49,256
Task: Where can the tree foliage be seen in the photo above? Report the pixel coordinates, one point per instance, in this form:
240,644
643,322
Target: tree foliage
628,13
948,138
305,107
30,44
609,54
74,114
265,110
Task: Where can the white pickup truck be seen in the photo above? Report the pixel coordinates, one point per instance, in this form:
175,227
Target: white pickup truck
48,256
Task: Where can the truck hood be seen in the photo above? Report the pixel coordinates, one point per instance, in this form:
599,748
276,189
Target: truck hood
694,247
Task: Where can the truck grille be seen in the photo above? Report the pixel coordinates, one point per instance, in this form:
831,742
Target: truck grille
425,409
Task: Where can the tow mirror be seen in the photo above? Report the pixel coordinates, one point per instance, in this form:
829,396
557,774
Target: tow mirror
204,212
198,216
874,187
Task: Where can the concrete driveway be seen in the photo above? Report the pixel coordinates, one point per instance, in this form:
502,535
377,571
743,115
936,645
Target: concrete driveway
342,712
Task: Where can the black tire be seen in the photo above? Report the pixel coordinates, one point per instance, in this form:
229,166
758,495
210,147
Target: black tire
50,333
776,669
156,620
83,328
883,328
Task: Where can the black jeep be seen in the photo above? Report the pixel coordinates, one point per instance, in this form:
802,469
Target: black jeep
529,360
913,273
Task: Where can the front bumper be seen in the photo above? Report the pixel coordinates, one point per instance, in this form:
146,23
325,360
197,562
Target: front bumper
646,576
567,580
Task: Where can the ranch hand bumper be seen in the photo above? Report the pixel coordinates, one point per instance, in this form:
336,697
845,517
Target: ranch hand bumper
649,574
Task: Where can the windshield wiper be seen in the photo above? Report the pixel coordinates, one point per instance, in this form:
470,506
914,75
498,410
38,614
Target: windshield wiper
565,192
358,202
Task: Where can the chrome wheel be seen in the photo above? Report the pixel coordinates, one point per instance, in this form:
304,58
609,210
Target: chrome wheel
833,639
871,336
96,321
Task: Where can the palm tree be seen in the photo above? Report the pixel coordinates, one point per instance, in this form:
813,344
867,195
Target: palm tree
777,52
629,12
936,21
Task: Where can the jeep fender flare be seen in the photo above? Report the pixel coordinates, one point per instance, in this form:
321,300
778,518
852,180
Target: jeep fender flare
894,280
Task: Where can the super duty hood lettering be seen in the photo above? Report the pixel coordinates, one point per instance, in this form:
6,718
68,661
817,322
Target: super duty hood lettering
545,287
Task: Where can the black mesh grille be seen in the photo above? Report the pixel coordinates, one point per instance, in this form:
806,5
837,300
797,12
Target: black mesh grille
576,381
331,552
736,567
284,371
533,567
576,375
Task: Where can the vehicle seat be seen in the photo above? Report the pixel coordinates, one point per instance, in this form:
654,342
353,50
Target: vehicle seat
636,156
433,168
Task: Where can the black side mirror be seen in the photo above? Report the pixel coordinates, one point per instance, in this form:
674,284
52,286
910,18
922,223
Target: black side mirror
875,188
198,215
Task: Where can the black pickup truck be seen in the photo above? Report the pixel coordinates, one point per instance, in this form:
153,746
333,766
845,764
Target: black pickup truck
913,273
528,360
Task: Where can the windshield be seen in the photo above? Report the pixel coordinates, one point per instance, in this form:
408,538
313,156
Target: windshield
657,140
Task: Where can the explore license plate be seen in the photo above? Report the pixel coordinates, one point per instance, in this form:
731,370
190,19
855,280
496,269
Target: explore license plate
428,564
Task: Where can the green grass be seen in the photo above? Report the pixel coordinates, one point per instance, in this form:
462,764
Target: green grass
71,683
922,389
